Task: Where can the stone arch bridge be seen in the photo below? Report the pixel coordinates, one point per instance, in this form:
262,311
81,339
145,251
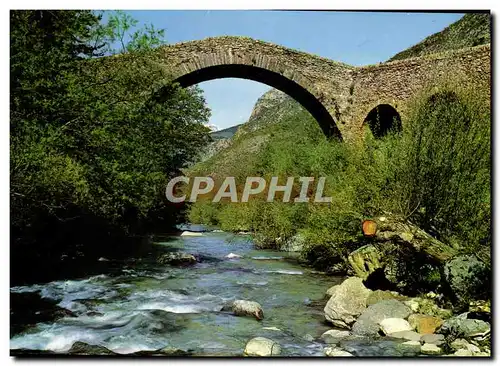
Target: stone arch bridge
339,96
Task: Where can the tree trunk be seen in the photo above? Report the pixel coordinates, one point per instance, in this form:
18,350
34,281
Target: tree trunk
395,228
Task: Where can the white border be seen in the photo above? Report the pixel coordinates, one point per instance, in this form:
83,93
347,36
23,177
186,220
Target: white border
209,5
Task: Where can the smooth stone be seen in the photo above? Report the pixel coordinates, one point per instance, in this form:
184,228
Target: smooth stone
336,352
406,334
463,353
233,256
410,346
459,343
263,347
308,338
430,349
436,339
335,336
247,308
368,322
191,233
393,325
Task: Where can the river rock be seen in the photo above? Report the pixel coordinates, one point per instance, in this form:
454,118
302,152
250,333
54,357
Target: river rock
459,343
368,322
379,295
82,348
430,349
336,352
177,259
331,291
468,278
412,304
308,338
394,325
166,351
463,353
409,335
191,233
334,336
425,324
462,327
365,260
413,346
263,347
248,308
233,256
347,302
437,339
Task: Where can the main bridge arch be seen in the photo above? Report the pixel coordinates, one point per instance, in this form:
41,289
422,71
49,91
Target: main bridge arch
339,96
300,75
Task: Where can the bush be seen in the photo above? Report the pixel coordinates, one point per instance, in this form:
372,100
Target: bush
442,179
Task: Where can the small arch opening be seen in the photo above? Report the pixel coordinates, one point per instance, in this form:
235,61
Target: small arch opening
382,120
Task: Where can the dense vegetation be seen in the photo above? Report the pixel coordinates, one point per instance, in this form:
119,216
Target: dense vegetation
93,139
436,173
472,29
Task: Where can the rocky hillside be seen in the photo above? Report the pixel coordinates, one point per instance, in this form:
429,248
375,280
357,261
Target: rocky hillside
244,139
471,30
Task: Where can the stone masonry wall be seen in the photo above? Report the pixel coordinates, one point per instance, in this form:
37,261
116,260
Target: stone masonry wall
349,93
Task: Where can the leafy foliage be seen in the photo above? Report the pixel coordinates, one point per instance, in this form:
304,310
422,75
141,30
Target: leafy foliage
435,172
94,139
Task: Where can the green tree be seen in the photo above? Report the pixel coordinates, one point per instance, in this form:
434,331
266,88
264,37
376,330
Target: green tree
94,139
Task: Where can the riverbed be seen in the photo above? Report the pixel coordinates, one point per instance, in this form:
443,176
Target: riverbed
141,305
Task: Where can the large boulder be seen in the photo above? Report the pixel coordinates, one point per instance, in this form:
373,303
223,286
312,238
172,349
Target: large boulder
425,324
177,259
462,327
365,260
263,347
347,302
468,278
380,295
247,308
368,322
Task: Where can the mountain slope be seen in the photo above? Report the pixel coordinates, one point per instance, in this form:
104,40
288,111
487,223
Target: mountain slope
471,30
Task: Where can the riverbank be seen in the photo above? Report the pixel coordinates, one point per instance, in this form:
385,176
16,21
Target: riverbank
143,307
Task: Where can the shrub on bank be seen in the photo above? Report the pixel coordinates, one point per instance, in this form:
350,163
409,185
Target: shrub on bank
436,173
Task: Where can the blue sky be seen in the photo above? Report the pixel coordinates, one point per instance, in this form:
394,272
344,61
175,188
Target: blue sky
354,38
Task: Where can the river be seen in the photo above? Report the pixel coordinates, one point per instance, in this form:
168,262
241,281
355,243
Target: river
141,305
